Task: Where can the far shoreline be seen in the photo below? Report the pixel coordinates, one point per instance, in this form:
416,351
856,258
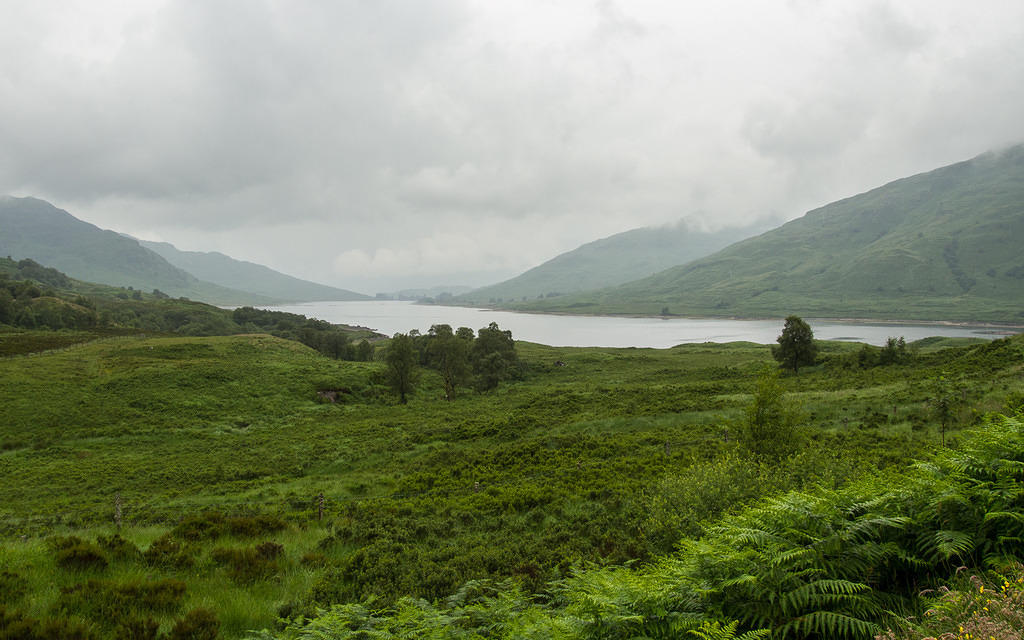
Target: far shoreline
678,316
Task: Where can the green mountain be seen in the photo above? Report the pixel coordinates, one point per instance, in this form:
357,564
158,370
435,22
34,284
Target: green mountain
610,261
33,228
942,245
247,276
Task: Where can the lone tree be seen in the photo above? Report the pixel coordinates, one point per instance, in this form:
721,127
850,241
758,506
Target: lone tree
493,357
448,352
796,345
769,428
401,362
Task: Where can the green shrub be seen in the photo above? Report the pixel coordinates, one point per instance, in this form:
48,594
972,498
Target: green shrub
167,552
15,625
110,602
204,526
252,563
118,548
82,556
254,526
12,587
198,624
137,630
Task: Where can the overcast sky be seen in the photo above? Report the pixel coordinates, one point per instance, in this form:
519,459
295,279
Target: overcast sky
380,144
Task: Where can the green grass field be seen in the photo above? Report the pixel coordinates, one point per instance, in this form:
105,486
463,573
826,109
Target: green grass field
214,446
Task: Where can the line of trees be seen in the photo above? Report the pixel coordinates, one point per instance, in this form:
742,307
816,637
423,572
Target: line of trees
328,339
459,357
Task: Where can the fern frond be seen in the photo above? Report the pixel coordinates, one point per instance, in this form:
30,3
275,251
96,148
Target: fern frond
829,624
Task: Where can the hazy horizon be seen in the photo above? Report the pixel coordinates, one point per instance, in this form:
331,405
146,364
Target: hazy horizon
387,146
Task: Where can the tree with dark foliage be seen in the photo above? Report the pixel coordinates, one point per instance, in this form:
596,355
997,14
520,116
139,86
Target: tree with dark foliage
401,360
796,345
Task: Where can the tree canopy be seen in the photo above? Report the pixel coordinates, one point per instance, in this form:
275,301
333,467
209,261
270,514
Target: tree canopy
796,345
401,365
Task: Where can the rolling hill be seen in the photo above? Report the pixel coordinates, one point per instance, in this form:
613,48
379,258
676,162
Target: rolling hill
941,245
247,276
610,261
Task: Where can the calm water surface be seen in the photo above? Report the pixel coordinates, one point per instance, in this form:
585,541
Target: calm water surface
390,317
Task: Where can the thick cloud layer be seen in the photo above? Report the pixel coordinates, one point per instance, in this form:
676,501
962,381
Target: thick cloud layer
386,144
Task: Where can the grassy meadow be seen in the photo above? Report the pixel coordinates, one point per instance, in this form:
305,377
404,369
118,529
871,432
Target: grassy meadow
174,485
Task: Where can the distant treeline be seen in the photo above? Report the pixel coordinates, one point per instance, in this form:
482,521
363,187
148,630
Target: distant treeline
29,301
330,340
33,296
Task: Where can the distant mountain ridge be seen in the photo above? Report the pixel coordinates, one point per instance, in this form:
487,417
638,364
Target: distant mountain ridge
33,228
246,276
941,245
611,261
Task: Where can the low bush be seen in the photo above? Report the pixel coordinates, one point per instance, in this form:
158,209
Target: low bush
15,625
12,587
79,555
118,548
110,602
203,526
167,552
138,630
252,563
198,624
254,526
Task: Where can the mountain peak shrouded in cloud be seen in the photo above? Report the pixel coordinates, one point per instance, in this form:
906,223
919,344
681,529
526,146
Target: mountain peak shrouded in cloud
395,145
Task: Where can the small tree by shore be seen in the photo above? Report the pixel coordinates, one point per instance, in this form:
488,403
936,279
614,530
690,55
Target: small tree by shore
796,345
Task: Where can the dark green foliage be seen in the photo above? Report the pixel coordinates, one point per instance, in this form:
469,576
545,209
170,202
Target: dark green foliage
894,352
169,553
118,548
137,630
110,603
15,625
796,345
198,624
401,359
331,340
770,425
75,554
448,353
214,524
493,357
12,587
251,563
256,525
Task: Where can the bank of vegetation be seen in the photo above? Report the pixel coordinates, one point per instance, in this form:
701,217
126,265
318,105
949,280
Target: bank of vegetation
161,485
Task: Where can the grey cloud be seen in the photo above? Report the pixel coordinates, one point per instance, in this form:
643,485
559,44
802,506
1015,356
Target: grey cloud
359,139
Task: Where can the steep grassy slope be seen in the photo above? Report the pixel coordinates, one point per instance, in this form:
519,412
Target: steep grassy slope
247,276
610,261
943,245
33,228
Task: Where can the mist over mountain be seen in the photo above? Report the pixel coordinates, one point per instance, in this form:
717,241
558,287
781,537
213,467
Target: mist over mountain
941,245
